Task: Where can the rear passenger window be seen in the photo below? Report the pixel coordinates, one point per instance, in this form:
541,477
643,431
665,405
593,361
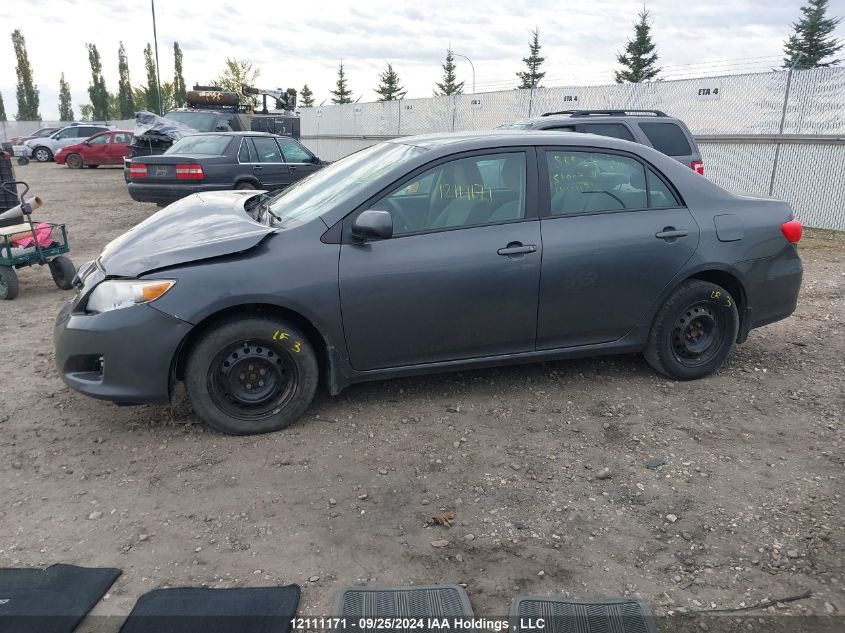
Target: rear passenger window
592,182
244,153
661,195
668,138
614,130
266,150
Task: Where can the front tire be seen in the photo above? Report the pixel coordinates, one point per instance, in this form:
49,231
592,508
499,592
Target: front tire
74,161
693,332
63,272
42,154
249,375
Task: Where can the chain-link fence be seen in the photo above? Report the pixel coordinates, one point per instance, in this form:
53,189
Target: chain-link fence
737,120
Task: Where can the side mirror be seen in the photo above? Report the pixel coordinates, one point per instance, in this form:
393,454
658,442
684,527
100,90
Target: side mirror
373,224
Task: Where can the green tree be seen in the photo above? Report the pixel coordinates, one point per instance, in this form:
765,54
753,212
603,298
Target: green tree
531,77
306,97
449,86
97,90
389,88
65,107
179,90
812,38
237,74
639,59
26,90
341,92
151,95
2,109
125,98
86,112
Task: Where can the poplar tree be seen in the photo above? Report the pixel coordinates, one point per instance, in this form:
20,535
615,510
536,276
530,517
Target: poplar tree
2,109
389,88
342,93
151,93
449,86
26,91
812,38
530,78
639,59
97,90
65,107
125,98
179,91
306,97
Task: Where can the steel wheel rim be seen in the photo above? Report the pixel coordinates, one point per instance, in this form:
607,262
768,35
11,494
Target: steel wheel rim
41,155
74,161
697,334
252,380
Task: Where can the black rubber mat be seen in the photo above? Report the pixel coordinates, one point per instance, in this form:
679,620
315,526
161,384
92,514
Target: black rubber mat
429,604
51,600
202,610
559,615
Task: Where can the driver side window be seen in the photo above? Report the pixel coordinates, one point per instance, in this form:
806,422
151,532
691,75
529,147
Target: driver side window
484,189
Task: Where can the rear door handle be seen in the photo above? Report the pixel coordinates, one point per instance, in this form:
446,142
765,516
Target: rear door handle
671,233
517,248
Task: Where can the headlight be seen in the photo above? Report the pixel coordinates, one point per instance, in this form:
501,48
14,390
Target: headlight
113,295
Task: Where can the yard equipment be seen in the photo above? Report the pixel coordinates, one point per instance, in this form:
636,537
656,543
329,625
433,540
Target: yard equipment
24,243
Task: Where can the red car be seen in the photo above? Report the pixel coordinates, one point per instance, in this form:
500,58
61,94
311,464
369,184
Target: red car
105,148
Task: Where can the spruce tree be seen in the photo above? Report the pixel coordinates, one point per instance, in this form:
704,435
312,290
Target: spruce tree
125,98
306,97
389,88
179,90
65,107
531,77
640,59
97,90
812,38
26,91
151,91
342,93
2,109
449,86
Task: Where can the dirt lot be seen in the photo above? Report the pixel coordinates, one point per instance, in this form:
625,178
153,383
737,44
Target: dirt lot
748,505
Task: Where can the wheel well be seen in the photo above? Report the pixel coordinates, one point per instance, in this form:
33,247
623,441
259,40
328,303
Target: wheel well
250,180
314,337
728,282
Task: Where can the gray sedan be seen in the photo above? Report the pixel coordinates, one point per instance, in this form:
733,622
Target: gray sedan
425,254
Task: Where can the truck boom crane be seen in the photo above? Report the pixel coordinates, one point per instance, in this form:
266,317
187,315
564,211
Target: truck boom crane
285,98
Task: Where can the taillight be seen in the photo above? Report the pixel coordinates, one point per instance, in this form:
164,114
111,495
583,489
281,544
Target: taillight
791,231
137,170
697,166
189,171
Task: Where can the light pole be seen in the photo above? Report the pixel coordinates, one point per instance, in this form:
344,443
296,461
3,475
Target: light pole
155,39
471,66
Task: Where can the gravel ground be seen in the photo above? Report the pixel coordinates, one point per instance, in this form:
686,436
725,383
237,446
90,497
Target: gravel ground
582,478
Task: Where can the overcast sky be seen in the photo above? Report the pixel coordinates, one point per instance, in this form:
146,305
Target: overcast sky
293,42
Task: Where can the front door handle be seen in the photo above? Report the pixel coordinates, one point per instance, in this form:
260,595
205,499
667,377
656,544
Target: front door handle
257,168
671,233
517,248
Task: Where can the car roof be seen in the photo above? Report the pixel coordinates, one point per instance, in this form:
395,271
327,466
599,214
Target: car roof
238,133
497,138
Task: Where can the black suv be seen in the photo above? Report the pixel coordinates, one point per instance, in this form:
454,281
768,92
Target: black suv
652,128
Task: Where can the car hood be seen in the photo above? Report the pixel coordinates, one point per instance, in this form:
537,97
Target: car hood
198,227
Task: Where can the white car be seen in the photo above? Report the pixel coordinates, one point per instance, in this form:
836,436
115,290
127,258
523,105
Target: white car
43,149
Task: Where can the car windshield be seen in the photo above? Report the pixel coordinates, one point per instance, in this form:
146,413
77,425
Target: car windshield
209,144
200,121
340,181
516,125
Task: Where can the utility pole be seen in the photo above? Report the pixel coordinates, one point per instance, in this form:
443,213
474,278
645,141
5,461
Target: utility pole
155,40
783,120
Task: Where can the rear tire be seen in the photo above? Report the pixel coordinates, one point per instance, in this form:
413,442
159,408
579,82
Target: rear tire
244,186
42,154
63,272
74,161
8,283
693,332
250,374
